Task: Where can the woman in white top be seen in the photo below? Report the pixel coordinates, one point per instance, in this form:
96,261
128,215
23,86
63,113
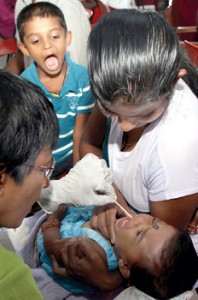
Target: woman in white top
147,87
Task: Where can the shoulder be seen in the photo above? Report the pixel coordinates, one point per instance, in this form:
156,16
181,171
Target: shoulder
180,119
73,65
13,270
9,261
30,71
77,72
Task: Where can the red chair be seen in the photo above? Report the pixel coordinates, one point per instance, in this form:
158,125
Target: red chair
184,21
100,10
8,47
192,50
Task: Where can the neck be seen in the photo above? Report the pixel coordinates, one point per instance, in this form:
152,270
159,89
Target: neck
130,139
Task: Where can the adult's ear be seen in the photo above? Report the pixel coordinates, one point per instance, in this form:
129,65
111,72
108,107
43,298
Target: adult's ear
181,73
125,269
23,49
3,176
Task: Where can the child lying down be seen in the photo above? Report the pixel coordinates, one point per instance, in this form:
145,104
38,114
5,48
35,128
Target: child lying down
156,258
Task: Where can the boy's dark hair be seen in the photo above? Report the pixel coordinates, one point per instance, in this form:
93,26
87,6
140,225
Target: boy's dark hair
39,9
135,55
178,270
28,124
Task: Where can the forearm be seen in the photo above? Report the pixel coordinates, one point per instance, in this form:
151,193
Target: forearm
81,120
92,138
51,233
16,63
176,212
88,148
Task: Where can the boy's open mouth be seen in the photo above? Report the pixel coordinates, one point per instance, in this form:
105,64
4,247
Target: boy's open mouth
51,62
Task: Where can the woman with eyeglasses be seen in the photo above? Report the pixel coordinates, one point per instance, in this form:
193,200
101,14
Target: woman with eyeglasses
28,133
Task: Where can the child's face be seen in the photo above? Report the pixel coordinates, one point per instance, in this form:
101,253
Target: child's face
45,41
130,117
141,239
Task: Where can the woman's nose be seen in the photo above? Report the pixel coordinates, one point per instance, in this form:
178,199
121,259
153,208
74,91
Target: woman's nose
125,125
46,182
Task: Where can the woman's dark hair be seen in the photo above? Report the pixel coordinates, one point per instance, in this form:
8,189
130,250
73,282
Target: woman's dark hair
178,270
39,9
28,124
134,55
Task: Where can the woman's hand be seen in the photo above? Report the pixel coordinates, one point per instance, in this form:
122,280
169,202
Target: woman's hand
89,182
103,220
104,217
84,259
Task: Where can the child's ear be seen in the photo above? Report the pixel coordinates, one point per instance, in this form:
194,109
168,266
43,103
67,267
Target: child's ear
23,49
125,269
181,73
68,38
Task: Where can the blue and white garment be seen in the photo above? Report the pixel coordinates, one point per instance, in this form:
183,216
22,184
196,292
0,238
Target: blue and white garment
71,226
74,98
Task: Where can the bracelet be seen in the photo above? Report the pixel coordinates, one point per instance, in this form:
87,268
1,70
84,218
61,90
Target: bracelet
49,224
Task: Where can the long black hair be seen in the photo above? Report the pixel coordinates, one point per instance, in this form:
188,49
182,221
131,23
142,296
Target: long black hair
135,55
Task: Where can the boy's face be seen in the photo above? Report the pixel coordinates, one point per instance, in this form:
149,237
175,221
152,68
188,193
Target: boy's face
141,239
46,42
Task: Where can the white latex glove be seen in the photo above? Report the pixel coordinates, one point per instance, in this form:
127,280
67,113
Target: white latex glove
89,182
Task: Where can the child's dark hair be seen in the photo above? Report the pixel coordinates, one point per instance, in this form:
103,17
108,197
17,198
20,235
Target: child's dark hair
135,55
39,9
177,273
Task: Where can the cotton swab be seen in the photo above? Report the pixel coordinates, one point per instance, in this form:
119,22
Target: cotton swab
124,210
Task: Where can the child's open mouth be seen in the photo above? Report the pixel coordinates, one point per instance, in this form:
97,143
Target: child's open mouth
51,62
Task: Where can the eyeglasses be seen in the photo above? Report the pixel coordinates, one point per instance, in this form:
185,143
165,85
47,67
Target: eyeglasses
47,170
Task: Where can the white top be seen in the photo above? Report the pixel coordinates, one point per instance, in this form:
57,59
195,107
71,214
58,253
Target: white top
164,163
77,22
134,293
119,4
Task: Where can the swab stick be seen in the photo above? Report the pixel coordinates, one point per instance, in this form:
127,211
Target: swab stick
124,210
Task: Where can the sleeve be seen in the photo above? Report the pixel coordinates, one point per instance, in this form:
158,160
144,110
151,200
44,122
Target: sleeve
16,280
173,173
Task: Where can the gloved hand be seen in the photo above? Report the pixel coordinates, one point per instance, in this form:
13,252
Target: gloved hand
89,182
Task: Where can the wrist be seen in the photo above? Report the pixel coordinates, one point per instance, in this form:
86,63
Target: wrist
50,223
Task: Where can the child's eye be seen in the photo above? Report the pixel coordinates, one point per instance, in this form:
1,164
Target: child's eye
55,36
35,42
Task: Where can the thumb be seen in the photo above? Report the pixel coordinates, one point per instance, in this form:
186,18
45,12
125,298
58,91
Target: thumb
58,270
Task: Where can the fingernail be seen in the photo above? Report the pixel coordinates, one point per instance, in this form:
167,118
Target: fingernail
112,241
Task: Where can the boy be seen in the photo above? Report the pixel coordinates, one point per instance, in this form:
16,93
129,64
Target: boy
44,37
